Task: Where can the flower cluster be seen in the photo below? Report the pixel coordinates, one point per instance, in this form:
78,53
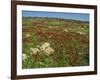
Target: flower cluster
24,56
45,47
66,30
27,35
34,51
49,51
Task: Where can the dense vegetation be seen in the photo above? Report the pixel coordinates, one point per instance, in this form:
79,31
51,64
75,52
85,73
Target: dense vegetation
53,42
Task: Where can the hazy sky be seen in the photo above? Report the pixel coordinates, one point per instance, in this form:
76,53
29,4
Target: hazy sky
64,15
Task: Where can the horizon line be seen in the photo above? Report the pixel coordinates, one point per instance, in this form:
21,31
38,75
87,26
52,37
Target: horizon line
55,18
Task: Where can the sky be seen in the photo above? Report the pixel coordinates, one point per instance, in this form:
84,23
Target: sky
64,15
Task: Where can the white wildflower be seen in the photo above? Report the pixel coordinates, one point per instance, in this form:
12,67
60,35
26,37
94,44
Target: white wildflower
80,32
28,35
45,45
24,56
41,63
49,26
34,51
66,30
79,53
49,51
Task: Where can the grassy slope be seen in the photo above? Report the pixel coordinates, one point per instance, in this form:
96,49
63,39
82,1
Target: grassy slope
69,39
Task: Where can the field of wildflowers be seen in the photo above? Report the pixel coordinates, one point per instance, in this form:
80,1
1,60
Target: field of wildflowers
52,42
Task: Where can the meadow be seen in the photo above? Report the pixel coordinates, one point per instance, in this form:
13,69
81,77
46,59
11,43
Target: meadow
54,42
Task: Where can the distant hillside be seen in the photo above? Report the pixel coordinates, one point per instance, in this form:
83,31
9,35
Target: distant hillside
71,25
